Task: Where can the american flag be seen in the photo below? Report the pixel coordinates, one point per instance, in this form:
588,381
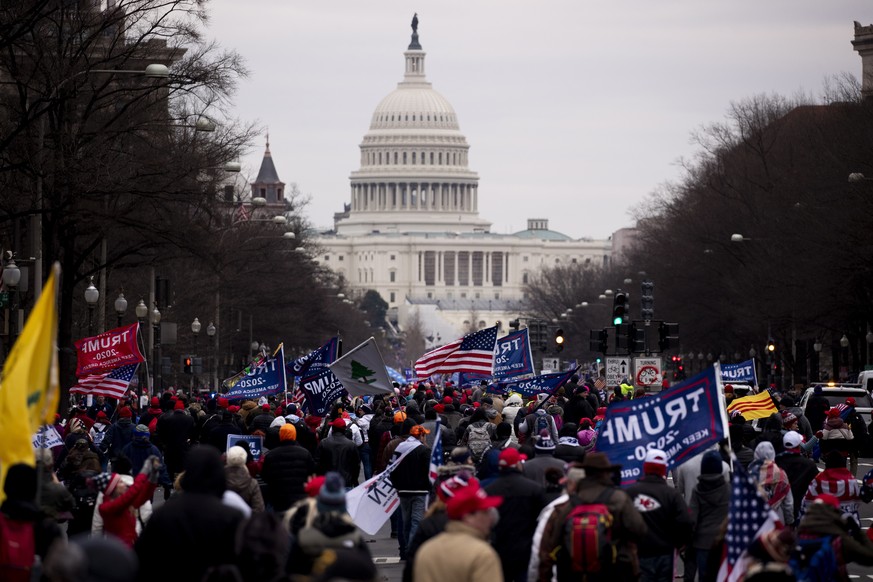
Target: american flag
749,517
472,353
113,383
436,456
600,383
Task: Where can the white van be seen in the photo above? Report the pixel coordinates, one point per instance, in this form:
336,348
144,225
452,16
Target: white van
865,379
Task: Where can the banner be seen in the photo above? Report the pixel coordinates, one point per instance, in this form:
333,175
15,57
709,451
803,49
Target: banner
512,356
682,421
264,380
395,375
742,372
530,387
111,349
362,371
47,437
469,379
315,361
256,443
371,503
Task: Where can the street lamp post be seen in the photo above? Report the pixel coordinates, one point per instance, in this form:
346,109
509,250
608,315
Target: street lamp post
92,295
142,312
869,338
844,356
156,325
213,365
195,329
11,277
816,347
120,308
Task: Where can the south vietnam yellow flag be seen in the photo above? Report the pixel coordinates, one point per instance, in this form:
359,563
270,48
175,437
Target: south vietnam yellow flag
754,406
29,388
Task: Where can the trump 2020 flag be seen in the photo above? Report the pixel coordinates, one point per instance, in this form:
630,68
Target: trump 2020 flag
29,388
749,517
472,353
266,379
530,387
362,371
513,357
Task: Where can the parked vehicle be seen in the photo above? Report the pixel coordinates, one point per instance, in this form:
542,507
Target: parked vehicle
838,393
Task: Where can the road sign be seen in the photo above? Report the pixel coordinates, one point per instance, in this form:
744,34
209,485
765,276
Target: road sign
551,365
648,373
617,371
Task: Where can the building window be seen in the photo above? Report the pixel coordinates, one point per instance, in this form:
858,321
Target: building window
478,268
463,268
391,297
497,296
475,295
497,269
430,295
466,322
339,258
524,259
573,261
557,261
524,278
326,257
392,257
482,324
449,268
263,192
464,296
392,276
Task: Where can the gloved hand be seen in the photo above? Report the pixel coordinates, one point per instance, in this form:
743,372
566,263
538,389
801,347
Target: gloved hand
151,468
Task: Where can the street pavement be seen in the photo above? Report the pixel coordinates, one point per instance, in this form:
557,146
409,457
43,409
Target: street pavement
386,554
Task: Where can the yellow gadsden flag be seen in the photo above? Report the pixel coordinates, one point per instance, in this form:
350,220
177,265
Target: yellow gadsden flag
754,406
29,388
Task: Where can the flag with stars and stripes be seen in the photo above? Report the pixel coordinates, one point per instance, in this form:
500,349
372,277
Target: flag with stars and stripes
436,455
242,212
472,353
113,383
749,517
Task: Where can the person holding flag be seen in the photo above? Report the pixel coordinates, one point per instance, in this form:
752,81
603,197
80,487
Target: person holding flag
411,478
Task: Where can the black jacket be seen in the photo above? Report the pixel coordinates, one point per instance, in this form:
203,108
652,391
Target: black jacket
411,476
174,433
523,499
665,512
338,453
801,471
285,471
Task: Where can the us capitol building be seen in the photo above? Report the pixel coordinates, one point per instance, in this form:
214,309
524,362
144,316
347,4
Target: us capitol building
413,232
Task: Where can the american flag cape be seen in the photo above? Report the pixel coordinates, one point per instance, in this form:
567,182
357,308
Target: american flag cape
436,455
472,353
749,517
113,383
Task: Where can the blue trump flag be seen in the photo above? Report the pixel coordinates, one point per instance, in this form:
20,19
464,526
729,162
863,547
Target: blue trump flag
266,379
512,356
742,372
467,379
683,422
319,386
530,387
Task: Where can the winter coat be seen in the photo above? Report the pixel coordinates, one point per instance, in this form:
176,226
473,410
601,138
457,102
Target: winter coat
839,482
217,436
118,435
241,482
196,523
709,509
138,450
569,450
285,471
523,500
175,431
535,469
143,512
816,411
528,427
118,517
801,471
411,476
665,513
433,524
577,409
337,453
261,421
472,559
825,520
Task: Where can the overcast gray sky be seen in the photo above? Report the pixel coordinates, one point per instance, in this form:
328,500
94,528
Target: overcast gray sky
574,110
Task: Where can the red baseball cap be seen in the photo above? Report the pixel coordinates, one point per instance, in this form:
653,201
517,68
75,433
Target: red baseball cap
338,424
510,457
470,499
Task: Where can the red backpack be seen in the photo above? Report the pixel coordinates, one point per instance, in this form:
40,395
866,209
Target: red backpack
587,535
17,549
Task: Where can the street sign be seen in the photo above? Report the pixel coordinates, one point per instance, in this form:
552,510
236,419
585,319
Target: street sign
617,371
551,365
648,373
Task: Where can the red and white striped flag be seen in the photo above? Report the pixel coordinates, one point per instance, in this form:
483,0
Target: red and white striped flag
113,383
472,353
242,213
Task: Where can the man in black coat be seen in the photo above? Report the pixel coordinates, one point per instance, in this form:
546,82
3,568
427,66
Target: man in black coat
666,514
800,470
816,409
578,407
217,436
338,453
523,499
197,522
285,470
174,433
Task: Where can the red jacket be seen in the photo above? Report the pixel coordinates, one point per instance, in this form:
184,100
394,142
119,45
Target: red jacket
119,516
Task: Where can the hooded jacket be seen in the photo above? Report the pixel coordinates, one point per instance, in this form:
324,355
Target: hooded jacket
709,509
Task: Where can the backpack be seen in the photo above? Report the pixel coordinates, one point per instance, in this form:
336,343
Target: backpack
541,422
816,559
478,441
17,549
587,536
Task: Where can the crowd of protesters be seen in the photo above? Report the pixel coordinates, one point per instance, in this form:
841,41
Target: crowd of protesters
514,472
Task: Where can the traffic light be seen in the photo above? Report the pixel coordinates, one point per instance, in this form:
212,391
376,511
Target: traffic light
537,332
771,345
186,365
559,340
678,368
637,338
622,338
668,336
619,308
647,301
598,340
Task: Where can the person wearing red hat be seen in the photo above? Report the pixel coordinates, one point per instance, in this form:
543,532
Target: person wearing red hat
462,552
338,453
523,499
858,426
152,412
119,499
825,522
174,432
835,480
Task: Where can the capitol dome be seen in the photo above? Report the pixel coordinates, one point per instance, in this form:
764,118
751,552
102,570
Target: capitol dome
414,174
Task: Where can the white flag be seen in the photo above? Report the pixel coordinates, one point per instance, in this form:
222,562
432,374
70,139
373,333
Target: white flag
362,370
